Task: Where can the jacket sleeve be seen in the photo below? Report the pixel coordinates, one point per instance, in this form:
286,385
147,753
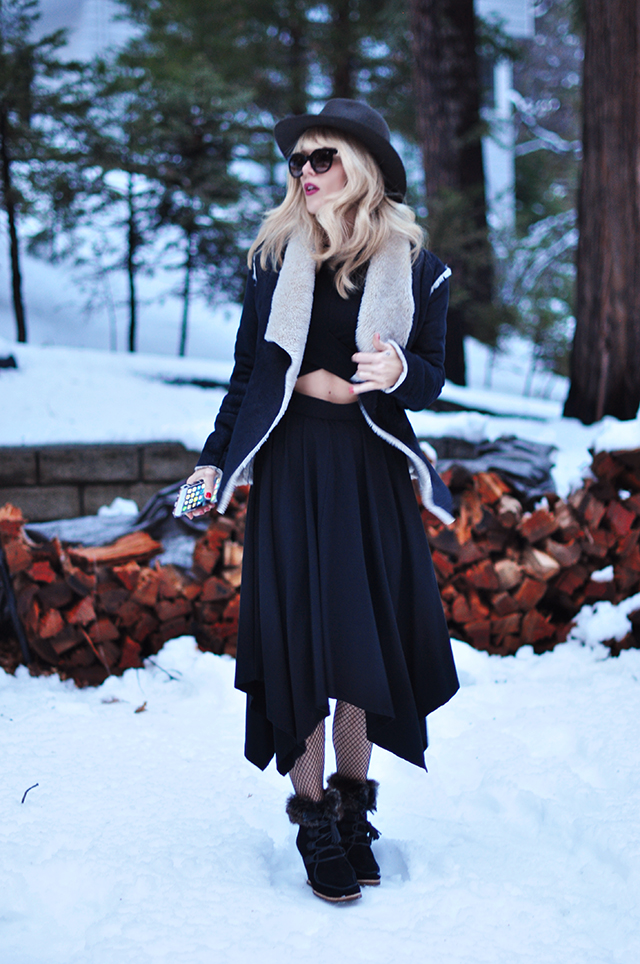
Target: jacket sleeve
215,448
424,357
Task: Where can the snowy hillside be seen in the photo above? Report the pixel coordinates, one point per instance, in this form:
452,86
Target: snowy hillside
61,394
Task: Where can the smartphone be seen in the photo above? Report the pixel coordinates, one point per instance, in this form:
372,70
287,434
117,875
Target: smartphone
191,496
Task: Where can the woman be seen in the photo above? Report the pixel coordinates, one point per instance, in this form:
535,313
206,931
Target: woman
342,328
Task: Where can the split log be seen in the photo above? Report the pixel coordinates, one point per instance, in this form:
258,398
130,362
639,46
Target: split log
529,594
619,518
51,624
538,564
490,487
509,573
565,555
504,604
135,546
81,613
146,591
536,526
509,511
471,552
482,576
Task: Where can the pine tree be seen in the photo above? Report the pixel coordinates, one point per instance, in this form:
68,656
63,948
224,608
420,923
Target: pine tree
33,100
281,56
190,151
107,186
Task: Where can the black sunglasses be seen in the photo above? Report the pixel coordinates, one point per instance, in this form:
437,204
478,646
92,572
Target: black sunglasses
321,160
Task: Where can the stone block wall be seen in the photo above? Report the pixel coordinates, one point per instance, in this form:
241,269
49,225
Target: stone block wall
65,481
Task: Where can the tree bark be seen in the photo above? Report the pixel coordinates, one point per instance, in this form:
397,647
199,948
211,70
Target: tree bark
132,247
298,70
14,247
605,362
447,93
186,295
341,57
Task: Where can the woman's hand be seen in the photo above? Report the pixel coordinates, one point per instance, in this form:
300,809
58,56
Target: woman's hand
377,369
208,473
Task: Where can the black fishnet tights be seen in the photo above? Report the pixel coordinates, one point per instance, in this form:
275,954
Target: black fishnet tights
352,748
307,773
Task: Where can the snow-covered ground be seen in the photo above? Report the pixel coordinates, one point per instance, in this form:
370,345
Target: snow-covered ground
150,839
68,394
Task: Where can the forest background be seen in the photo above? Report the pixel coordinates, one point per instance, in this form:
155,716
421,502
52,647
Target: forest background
159,155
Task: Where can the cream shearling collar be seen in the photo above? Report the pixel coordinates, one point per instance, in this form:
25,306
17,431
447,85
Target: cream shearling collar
387,304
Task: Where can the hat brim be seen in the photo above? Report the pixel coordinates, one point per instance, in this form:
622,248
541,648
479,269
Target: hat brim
288,131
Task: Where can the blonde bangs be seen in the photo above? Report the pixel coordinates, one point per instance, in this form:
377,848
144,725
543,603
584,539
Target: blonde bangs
348,231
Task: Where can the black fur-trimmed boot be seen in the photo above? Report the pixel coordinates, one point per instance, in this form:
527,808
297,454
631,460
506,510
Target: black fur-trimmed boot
329,873
356,833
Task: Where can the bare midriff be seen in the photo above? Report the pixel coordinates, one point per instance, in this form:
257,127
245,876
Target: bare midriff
325,385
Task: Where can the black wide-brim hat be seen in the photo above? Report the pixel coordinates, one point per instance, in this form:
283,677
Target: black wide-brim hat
360,121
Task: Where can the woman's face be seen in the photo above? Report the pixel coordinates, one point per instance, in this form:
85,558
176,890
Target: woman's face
319,188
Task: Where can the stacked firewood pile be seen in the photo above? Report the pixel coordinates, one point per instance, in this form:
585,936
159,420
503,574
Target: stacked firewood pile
91,612
510,577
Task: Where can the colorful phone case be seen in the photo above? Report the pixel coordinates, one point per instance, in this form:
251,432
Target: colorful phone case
190,497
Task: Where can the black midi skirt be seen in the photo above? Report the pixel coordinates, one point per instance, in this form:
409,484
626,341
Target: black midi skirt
339,597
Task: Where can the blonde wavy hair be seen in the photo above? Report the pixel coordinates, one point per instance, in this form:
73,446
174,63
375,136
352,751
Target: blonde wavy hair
348,230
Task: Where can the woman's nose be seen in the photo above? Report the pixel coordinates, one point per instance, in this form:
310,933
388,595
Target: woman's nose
306,167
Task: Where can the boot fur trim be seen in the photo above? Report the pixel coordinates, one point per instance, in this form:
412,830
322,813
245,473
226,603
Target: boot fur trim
312,813
356,795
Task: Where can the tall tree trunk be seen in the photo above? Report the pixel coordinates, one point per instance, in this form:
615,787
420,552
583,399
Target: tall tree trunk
186,294
132,247
342,53
14,248
605,362
447,93
298,63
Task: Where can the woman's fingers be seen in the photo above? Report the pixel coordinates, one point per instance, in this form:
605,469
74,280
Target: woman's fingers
208,475
201,511
377,369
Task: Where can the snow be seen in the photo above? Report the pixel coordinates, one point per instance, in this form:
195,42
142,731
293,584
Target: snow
150,839
500,403
603,575
124,507
68,394
602,621
65,308
65,395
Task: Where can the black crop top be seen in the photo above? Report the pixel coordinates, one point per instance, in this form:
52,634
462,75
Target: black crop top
332,331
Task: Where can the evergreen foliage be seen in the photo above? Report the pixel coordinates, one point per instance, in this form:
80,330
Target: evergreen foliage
35,97
157,142
162,153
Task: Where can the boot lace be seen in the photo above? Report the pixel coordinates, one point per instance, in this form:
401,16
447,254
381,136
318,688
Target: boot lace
357,830
324,842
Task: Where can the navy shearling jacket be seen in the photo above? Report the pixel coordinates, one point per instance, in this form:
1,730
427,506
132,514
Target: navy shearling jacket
406,303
